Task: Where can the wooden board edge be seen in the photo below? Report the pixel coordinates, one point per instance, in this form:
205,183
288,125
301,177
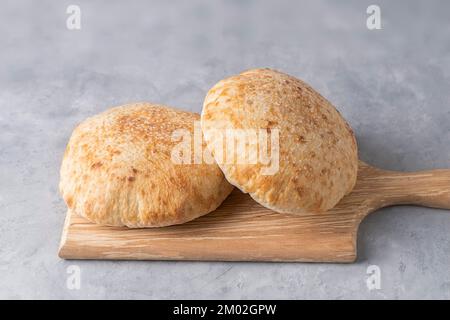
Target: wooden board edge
64,235
67,252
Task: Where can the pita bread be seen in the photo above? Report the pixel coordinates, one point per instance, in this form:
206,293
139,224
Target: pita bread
317,151
118,170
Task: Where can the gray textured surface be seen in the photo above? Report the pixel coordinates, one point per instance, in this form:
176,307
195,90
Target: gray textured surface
391,84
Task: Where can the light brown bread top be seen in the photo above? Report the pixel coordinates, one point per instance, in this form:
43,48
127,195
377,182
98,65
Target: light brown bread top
118,170
317,149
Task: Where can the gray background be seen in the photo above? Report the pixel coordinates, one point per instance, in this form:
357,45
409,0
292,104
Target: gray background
391,84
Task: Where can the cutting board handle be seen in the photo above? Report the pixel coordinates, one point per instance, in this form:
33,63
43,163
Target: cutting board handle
429,188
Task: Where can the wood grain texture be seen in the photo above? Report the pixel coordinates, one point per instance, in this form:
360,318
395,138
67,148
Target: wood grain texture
243,230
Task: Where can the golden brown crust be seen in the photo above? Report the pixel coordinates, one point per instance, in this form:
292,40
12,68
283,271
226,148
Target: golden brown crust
117,170
318,158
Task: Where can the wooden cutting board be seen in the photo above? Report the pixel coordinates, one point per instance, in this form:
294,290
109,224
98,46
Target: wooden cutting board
242,230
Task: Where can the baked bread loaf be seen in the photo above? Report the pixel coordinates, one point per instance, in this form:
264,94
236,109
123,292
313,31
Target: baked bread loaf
316,153
118,170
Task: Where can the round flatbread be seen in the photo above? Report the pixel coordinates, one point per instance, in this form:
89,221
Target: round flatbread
119,169
314,158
